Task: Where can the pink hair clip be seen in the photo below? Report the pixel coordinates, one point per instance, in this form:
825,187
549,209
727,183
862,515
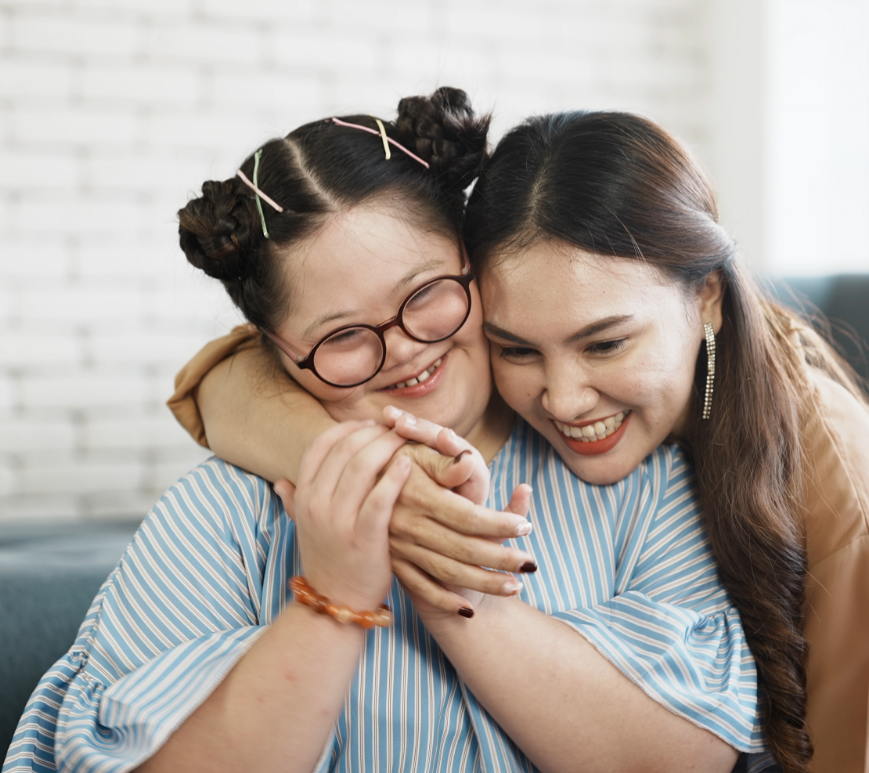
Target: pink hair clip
382,135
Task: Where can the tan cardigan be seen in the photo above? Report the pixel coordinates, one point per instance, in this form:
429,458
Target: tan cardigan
837,592
837,528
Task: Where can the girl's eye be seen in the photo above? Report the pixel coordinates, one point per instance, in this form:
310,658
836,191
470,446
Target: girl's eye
607,347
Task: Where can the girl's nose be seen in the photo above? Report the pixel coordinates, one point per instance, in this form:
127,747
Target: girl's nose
400,348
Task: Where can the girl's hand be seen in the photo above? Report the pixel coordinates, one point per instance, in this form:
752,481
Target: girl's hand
342,511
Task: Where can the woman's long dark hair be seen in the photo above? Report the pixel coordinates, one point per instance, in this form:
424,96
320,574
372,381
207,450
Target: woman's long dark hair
614,184
320,169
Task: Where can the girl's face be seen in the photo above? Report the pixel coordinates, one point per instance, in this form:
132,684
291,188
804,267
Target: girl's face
359,269
598,354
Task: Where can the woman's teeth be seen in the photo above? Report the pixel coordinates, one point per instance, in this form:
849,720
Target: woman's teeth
597,431
420,378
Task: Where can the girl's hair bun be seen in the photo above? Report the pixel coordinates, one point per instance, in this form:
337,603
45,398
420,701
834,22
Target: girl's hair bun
444,130
218,229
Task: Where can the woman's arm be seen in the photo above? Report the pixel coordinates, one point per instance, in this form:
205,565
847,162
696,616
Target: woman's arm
256,417
562,702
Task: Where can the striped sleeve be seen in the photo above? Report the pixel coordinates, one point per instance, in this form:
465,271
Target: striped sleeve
180,609
670,627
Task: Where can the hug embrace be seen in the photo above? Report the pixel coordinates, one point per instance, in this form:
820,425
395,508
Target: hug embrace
534,479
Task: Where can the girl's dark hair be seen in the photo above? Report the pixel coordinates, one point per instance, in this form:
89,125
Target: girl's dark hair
322,168
617,185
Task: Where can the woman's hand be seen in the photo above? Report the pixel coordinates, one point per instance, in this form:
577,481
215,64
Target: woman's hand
441,537
342,511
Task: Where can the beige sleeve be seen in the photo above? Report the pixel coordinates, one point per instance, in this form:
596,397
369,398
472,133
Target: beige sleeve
183,402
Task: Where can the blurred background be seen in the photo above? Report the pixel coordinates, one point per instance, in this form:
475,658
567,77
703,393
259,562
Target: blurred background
113,112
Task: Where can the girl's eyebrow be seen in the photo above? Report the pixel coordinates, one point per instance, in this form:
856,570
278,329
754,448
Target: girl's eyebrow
401,285
588,330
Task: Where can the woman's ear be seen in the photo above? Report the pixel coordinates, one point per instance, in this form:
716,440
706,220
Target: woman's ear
710,298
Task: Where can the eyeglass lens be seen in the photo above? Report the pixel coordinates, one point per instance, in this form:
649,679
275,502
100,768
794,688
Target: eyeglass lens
354,355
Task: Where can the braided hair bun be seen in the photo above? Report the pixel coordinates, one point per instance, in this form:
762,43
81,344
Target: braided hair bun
217,230
444,130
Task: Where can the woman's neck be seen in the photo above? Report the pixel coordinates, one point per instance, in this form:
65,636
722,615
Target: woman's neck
490,433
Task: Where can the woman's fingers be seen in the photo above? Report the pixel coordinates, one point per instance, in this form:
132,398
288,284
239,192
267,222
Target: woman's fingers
424,431
443,470
422,496
424,589
476,551
520,502
455,573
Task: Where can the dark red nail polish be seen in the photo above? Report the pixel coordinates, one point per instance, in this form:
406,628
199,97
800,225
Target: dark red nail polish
528,566
466,612
456,460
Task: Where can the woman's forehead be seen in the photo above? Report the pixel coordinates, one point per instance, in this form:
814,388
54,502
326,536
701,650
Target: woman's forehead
549,281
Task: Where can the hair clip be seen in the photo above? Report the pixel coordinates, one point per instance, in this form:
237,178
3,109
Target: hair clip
259,194
382,135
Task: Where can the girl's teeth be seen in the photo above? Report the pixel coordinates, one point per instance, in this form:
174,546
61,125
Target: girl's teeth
424,376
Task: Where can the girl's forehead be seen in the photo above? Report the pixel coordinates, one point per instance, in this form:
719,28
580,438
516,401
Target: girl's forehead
361,265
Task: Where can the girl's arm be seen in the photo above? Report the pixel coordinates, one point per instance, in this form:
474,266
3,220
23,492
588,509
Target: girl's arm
278,706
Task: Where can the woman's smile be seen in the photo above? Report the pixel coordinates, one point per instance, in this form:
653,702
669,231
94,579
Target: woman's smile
597,436
596,353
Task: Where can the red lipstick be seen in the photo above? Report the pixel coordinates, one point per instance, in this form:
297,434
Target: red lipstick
596,447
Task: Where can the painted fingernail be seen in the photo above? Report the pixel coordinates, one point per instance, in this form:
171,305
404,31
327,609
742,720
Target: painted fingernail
512,587
393,412
409,420
524,529
466,612
460,455
528,566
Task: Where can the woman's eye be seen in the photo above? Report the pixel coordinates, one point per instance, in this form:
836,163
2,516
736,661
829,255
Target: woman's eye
607,347
517,352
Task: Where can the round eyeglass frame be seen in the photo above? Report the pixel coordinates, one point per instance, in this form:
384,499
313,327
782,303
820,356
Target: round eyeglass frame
307,362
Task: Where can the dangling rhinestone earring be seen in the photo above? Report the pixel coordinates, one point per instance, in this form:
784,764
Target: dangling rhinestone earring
710,368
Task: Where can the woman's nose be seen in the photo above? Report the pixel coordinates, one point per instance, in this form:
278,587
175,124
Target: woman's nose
567,395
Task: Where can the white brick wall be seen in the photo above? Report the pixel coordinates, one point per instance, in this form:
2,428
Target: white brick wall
112,111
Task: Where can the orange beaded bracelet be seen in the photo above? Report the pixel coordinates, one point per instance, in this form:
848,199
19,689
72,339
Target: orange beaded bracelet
305,594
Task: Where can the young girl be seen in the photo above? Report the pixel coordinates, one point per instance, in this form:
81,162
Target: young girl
191,656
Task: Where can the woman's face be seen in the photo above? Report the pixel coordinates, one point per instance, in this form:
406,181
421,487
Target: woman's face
596,353
358,269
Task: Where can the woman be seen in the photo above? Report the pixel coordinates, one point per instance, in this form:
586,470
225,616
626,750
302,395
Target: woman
188,658
555,226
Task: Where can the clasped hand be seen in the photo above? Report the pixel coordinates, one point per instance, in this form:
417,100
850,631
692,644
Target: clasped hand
421,515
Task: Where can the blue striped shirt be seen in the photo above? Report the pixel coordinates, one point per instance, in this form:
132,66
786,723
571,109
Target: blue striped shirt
628,566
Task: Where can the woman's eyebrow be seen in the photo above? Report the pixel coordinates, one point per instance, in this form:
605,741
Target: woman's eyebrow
588,330
599,326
